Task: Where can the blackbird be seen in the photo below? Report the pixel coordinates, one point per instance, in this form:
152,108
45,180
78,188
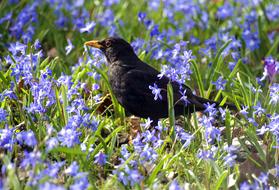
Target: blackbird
130,80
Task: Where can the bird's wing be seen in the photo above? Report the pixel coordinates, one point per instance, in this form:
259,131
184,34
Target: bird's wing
146,78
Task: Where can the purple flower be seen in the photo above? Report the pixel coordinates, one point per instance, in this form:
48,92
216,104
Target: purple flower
252,40
156,91
51,170
122,177
89,27
225,11
3,115
108,3
91,123
26,137
31,159
174,185
72,170
244,111
231,156
68,137
149,136
37,44
101,158
210,108
148,154
274,95
17,49
272,12
220,83
271,68
147,123
207,154
50,186
262,130
30,139
51,143
263,178
134,177
245,186
258,110
252,121
7,17
69,47
212,133
184,137
81,181
155,31
187,55
6,138
251,17
141,16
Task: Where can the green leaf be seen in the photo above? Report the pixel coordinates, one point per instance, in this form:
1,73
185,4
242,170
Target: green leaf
171,110
157,169
221,180
198,77
215,67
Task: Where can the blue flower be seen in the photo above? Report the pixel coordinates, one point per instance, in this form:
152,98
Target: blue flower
51,143
69,47
89,27
220,83
3,115
50,186
148,154
72,170
68,137
155,31
141,16
122,177
229,159
184,137
108,3
207,154
210,108
147,123
272,12
258,110
101,158
30,139
6,138
51,170
156,91
7,17
31,159
81,181
271,68
17,49
174,186
252,40
274,93
26,137
225,11
37,44
134,176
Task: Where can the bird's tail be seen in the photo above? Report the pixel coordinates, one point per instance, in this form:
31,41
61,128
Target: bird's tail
204,101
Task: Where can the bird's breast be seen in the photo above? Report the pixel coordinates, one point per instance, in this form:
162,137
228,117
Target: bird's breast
118,83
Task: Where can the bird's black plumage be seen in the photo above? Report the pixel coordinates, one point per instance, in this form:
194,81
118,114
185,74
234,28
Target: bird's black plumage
130,79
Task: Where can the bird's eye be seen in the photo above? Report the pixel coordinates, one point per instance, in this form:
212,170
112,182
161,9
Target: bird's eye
108,43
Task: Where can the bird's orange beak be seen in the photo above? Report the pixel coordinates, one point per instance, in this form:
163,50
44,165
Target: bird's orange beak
94,43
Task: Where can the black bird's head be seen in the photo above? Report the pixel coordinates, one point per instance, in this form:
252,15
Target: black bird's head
114,48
